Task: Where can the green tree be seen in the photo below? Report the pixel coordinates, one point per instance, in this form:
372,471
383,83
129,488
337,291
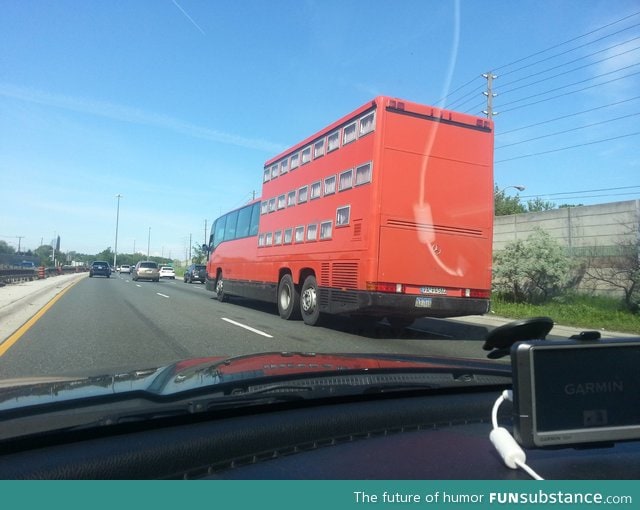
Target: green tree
6,248
504,205
620,271
538,205
532,270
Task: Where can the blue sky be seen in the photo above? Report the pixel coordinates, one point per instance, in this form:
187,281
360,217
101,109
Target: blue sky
176,104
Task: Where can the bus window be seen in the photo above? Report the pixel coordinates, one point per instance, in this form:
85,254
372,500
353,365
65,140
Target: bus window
255,219
230,229
244,222
218,235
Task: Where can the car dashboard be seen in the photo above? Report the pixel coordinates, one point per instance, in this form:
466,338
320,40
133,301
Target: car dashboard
400,436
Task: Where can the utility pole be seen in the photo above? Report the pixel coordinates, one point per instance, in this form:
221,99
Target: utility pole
115,250
489,95
205,234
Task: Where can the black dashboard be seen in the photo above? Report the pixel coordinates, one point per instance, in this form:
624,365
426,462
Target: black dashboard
392,437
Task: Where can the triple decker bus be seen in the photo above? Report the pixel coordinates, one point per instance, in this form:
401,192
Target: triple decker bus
386,213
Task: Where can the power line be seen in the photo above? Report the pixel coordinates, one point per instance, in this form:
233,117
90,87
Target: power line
580,82
566,93
568,115
568,130
569,147
582,191
569,71
567,42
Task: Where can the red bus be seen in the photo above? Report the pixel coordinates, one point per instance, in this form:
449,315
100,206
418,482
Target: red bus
387,212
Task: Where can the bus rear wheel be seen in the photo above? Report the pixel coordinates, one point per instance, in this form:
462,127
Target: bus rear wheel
309,307
222,297
288,298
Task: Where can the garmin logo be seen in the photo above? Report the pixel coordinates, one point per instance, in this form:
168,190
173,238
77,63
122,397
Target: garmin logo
594,388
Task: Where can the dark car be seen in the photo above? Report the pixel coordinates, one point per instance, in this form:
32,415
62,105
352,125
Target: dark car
100,268
146,270
195,273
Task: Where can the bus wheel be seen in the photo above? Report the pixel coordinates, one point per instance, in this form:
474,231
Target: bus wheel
288,298
222,297
309,301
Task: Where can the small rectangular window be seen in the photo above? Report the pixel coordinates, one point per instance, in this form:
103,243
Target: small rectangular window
303,194
268,238
318,148
272,204
326,228
330,185
291,198
367,123
349,133
316,190
284,166
346,180
267,175
261,240
343,215
295,161
274,171
312,232
277,237
288,235
363,174
306,155
264,207
299,234
282,202
333,141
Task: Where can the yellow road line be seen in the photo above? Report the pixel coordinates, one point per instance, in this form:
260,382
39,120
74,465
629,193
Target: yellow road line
9,342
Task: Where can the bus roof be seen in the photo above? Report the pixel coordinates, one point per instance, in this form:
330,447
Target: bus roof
394,103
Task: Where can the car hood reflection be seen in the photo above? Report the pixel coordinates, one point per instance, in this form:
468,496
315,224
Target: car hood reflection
212,374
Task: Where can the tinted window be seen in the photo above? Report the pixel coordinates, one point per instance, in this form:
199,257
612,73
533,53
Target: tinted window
218,235
230,229
244,222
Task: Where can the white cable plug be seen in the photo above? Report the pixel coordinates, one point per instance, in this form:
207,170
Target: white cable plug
509,450
512,455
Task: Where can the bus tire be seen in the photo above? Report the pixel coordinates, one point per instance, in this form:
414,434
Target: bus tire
309,306
220,295
288,298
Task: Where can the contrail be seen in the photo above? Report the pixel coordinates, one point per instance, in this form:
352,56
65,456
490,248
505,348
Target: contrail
188,17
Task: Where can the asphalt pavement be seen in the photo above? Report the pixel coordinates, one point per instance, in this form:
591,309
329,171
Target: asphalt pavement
19,302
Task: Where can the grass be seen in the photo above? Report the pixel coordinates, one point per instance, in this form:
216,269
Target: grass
587,312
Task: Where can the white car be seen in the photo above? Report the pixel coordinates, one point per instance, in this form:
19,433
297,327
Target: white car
125,269
167,272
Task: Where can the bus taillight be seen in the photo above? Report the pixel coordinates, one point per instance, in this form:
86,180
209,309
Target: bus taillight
396,288
477,293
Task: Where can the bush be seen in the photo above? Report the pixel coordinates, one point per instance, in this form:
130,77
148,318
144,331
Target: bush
533,270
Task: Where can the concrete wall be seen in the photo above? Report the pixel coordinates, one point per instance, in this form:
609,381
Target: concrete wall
580,229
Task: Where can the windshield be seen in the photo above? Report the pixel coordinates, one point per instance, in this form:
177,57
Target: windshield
389,181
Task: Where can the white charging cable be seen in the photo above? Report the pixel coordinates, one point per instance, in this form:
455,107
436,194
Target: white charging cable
510,451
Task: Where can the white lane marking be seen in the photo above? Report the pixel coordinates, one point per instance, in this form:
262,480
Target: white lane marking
254,330
163,295
138,285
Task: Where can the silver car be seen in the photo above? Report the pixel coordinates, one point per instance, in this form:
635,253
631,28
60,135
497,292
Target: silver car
146,270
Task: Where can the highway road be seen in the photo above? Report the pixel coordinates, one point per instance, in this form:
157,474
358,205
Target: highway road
106,324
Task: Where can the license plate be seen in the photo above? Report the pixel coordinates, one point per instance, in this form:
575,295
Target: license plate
423,302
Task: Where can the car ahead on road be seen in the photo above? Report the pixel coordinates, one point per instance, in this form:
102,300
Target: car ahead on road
195,273
125,269
167,272
100,268
146,270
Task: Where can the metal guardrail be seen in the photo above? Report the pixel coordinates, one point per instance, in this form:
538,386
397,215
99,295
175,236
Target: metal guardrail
17,275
